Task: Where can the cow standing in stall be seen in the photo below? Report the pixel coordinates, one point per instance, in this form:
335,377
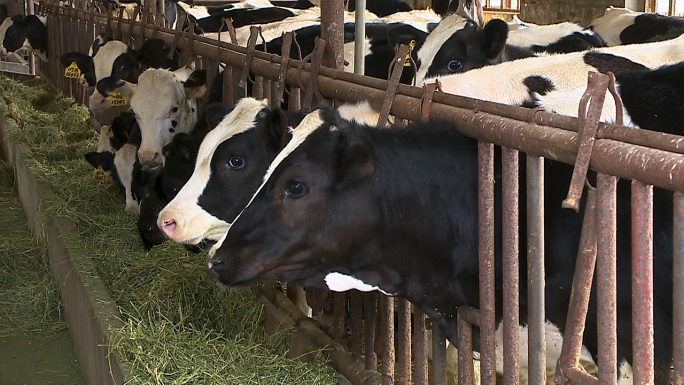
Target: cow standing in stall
395,210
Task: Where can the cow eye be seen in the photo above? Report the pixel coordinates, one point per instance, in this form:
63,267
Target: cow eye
174,191
454,66
295,189
236,162
174,109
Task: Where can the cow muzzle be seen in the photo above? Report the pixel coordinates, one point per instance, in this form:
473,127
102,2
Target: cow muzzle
97,101
150,160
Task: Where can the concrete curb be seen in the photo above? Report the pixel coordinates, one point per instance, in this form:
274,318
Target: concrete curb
89,311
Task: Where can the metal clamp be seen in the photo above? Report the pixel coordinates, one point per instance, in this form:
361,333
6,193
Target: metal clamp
393,77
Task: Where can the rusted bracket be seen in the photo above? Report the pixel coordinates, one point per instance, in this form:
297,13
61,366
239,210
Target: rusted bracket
119,24
159,22
393,78
254,32
143,23
316,57
568,368
588,121
179,28
284,65
189,55
428,93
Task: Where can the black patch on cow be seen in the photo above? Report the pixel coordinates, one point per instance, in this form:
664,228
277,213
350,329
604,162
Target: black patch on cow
103,159
84,64
192,109
648,26
382,8
575,42
606,62
216,9
538,84
242,17
197,78
122,127
654,99
108,85
215,113
174,123
22,28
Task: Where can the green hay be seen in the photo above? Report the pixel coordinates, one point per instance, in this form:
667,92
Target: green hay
181,324
29,302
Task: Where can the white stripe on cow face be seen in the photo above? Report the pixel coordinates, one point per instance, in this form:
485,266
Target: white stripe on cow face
435,40
157,94
308,125
193,223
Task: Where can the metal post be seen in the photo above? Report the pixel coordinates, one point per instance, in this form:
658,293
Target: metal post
678,282
332,30
486,262
511,266
360,37
606,279
535,270
32,57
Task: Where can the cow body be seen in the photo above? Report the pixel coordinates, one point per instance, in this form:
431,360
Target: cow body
624,26
517,82
28,32
382,8
396,210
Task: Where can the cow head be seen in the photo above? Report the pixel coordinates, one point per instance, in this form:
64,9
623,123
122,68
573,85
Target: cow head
102,64
232,159
27,32
456,45
285,231
164,103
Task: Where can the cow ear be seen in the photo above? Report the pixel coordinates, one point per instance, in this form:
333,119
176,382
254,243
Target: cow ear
405,34
495,34
215,114
83,61
278,130
355,161
103,159
196,85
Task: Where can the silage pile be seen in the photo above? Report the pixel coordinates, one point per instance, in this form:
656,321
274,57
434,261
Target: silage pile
181,325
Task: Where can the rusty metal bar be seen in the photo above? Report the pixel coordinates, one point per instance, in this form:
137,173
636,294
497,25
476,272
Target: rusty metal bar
606,281
466,369
536,314
420,357
439,364
486,263
404,342
580,294
356,305
339,315
332,30
511,266
387,325
343,361
678,295
370,312
642,283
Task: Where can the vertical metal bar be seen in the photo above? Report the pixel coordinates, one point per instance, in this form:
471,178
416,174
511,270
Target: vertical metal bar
332,30
580,293
387,325
228,92
439,372
420,356
678,283
360,37
267,91
294,101
356,305
32,57
339,315
642,283
466,369
606,279
370,315
511,266
486,258
535,270
404,341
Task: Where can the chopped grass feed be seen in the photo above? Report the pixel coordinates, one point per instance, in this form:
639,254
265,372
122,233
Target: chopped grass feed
180,324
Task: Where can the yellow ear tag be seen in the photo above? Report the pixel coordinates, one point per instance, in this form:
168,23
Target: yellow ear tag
407,62
117,100
100,175
72,71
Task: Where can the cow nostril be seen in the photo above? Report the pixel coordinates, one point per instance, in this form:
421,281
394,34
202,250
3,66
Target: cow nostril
168,227
216,265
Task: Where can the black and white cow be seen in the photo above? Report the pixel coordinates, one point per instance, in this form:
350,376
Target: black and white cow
381,8
113,66
28,32
395,210
241,17
650,99
521,82
458,44
624,26
232,159
165,103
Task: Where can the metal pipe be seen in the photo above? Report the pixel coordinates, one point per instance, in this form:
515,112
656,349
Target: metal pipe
606,279
511,266
536,314
486,263
387,325
466,370
439,372
332,30
370,313
642,283
420,357
403,337
356,305
678,282
360,43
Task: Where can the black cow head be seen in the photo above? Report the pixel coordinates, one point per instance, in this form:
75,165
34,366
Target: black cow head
27,32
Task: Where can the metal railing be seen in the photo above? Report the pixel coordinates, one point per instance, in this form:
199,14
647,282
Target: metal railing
368,330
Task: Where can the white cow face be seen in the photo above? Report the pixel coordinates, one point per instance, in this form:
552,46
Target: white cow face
102,62
164,104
